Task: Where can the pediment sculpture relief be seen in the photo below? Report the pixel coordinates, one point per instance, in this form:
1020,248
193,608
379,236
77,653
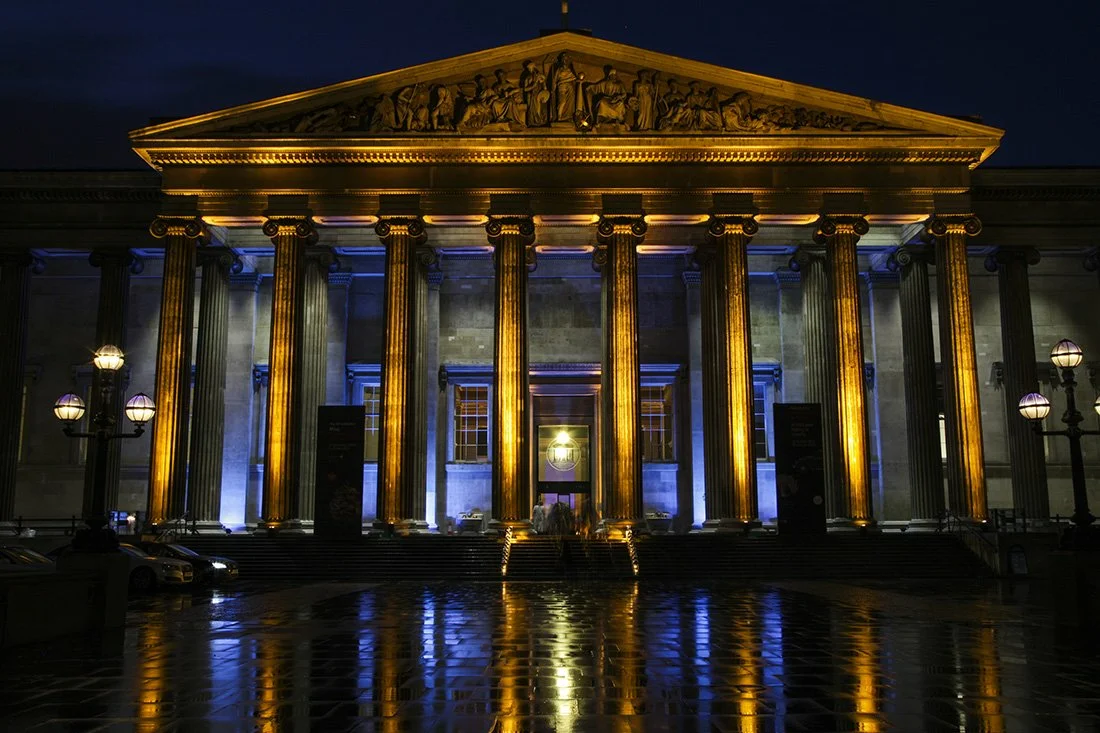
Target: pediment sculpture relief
561,96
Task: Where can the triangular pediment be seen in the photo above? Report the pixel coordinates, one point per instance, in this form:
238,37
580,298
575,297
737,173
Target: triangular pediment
561,85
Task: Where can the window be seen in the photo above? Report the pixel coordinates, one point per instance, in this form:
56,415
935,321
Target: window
372,402
760,419
471,424
656,409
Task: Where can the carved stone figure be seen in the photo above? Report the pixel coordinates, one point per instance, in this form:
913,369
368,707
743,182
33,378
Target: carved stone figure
564,82
701,117
643,101
384,116
477,111
674,113
607,98
535,94
411,109
507,102
443,108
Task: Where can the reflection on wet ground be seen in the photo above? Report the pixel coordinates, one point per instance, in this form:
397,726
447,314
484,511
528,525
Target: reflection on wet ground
791,656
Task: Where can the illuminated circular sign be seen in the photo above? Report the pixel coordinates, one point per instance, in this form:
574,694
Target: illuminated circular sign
563,452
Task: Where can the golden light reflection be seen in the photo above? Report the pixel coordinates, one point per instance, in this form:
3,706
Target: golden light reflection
748,677
865,672
988,701
153,658
510,664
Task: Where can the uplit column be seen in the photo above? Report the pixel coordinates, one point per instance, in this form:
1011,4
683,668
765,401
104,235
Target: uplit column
15,282
812,265
1025,448
204,495
281,510
919,369
511,238
396,502
731,394
617,260
694,306
115,267
965,457
314,315
168,463
842,233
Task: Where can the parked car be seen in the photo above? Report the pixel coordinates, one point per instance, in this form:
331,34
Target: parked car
17,559
208,568
146,571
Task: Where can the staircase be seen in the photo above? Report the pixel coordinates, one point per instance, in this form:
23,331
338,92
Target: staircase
568,558
835,556
304,558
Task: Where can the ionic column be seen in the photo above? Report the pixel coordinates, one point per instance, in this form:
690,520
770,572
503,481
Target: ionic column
965,455
115,267
397,500
204,495
314,334
168,462
1025,448
694,306
15,282
842,233
731,395
617,260
280,508
812,265
919,370
511,238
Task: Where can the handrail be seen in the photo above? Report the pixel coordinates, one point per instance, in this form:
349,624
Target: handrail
69,524
957,525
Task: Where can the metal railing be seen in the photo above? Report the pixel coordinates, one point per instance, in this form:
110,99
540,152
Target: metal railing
66,525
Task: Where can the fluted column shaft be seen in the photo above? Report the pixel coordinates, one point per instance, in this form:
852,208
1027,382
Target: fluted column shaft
280,507
168,463
716,460
731,395
511,238
15,280
965,455
842,234
820,364
1025,448
115,267
618,259
314,316
919,369
397,460
204,493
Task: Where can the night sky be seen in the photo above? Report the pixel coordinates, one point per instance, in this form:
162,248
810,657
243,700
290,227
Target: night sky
77,76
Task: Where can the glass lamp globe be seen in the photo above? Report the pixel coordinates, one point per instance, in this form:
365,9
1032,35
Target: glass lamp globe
140,409
1096,405
108,358
1034,406
1066,355
69,408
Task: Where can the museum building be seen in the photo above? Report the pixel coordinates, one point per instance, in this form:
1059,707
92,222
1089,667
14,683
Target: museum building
564,269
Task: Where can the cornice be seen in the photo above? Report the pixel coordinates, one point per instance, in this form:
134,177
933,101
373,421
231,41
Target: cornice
91,195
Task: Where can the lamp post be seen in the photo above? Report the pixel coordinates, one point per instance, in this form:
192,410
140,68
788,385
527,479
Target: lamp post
69,408
1033,406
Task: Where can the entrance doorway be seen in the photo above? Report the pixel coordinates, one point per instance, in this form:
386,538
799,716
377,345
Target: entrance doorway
564,446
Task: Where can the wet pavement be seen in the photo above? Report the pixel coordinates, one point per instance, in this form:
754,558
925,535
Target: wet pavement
789,656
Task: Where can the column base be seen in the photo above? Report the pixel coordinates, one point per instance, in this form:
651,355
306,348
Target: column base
407,527
616,529
518,526
283,526
731,525
209,527
8,528
841,525
925,525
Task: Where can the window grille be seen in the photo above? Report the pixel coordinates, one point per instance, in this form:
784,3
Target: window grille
372,403
471,424
759,419
656,408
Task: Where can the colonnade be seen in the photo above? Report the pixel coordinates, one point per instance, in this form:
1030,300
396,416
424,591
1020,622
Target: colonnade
833,352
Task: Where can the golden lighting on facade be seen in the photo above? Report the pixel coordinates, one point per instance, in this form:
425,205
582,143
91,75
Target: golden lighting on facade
234,221
559,220
366,220
676,219
456,220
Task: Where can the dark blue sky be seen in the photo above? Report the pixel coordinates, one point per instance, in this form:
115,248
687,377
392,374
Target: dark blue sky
77,76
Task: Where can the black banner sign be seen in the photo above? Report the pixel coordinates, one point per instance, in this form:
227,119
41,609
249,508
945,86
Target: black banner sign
338,507
799,468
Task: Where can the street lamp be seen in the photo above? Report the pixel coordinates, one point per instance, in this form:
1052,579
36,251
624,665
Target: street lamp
1066,355
70,408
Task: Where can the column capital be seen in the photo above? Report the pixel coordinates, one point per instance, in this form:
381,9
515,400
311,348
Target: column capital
391,226
907,254
119,257
22,258
165,225
939,226
830,225
300,227
1092,261
222,257
805,255
323,257
611,226
516,226
719,225
1026,256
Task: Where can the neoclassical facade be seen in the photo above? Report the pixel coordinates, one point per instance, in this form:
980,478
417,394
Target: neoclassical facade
564,267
